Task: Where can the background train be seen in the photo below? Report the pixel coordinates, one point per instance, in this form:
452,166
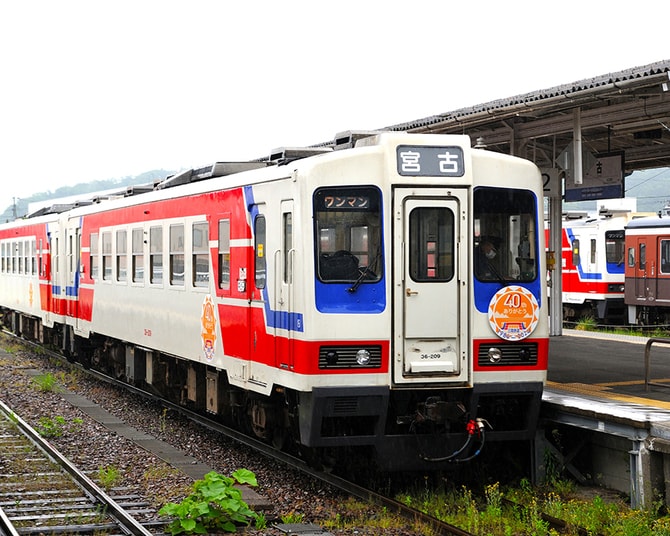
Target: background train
647,285
603,276
592,266
323,299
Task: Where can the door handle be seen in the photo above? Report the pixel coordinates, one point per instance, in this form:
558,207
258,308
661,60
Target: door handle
410,292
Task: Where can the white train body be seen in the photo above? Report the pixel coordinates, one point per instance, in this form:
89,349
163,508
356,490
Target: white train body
334,299
593,265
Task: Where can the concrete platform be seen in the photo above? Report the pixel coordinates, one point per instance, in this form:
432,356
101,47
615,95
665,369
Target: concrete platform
596,384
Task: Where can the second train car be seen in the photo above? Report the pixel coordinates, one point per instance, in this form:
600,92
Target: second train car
387,292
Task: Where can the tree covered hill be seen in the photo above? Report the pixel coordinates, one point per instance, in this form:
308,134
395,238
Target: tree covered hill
80,189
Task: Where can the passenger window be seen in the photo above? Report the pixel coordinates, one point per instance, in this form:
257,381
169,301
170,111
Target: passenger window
106,256
121,256
201,254
224,254
575,252
138,256
93,257
288,247
259,248
665,256
177,255
156,255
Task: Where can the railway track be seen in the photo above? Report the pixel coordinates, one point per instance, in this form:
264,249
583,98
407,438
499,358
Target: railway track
432,525
41,491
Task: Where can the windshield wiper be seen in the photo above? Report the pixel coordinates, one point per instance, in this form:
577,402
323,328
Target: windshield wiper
364,273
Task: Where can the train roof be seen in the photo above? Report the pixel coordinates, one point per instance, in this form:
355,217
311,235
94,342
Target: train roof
650,222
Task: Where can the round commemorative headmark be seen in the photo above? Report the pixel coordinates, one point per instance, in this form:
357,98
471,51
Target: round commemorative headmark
513,313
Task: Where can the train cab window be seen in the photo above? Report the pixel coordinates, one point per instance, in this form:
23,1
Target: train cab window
137,256
431,235
224,254
177,255
156,255
665,256
121,255
107,256
631,257
348,234
614,247
506,234
259,248
200,263
93,257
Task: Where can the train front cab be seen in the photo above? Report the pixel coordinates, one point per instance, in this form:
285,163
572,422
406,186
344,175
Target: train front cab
451,368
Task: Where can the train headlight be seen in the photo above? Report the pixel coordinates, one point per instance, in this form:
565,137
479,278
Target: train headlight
494,354
363,357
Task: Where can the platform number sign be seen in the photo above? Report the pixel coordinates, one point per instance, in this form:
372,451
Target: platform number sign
421,161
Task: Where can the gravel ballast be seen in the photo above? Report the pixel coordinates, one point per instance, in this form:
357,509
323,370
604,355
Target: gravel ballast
92,446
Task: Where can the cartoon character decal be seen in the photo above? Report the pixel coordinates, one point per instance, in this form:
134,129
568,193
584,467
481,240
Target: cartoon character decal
208,332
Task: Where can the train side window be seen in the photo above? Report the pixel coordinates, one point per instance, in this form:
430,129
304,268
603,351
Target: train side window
288,247
106,256
177,255
224,254
575,252
593,251
643,256
55,258
20,256
93,256
2,256
665,256
121,255
259,248
631,257
138,256
156,255
201,254
33,257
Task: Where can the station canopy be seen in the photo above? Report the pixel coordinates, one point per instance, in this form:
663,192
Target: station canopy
627,111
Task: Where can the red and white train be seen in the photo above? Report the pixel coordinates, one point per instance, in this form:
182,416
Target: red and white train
330,298
593,265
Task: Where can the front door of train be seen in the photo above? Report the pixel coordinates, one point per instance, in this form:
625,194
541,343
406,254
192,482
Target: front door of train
431,319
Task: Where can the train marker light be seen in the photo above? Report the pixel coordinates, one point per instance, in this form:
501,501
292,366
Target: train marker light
331,358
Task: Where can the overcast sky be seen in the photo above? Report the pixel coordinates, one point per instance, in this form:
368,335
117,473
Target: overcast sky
96,90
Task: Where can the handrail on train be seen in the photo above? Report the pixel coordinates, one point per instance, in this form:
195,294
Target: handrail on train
647,358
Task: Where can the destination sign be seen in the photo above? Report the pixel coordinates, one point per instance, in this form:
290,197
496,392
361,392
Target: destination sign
421,161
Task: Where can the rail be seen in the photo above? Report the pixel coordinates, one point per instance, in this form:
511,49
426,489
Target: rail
647,362
126,522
